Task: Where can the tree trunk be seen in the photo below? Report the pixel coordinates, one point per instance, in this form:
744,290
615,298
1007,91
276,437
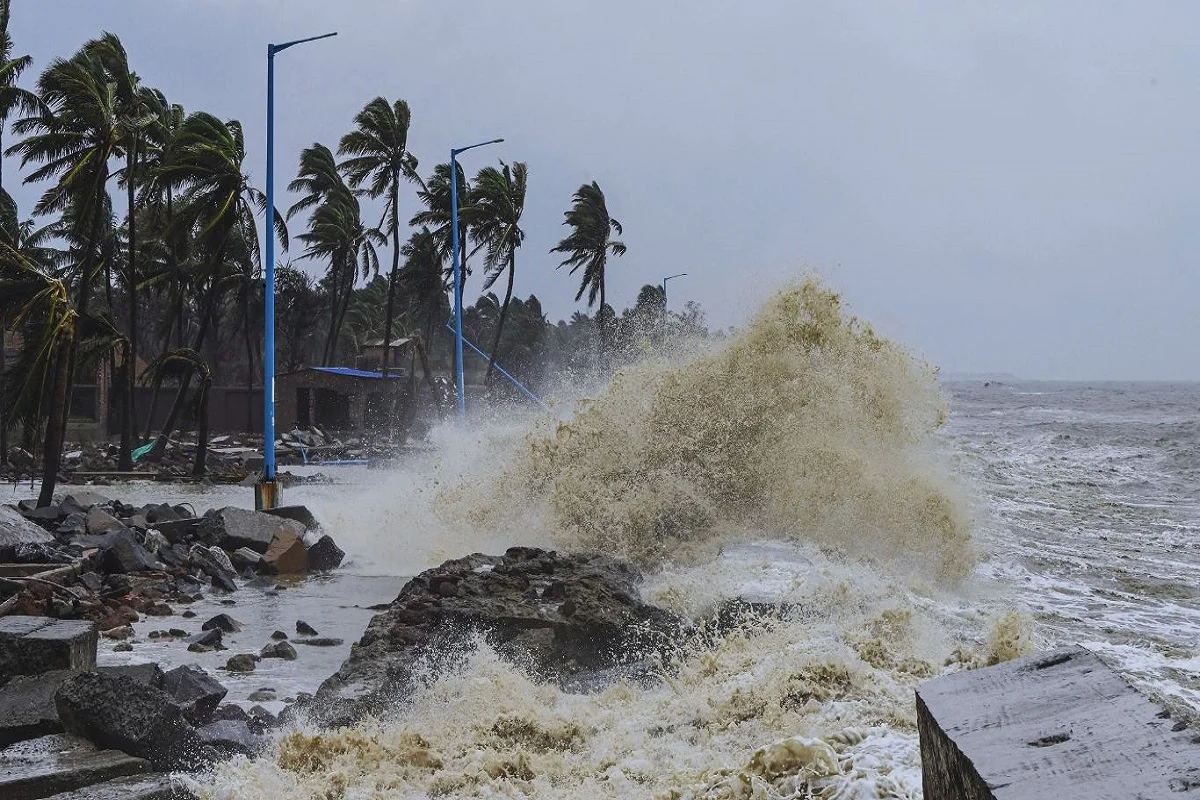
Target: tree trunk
331,339
3,416
124,457
59,408
200,466
601,320
160,444
249,369
512,269
391,301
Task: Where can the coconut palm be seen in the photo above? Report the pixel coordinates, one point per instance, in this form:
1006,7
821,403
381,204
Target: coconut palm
588,245
216,203
497,201
379,157
12,99
317,180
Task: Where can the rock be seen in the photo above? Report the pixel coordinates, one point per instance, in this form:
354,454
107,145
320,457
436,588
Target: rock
233,528
279,636
60,763
305,629
145,674
174,555
100,521
232,712
179,531
119,713
325,555
243,662
220,557
299,514
91,581
195,691
81,502
245,558
232,737
162,513
222,622
1054,725
75,524
155,541
279,650
287,555
125,554
119,633
262,696
320,642
189,614
209,638
29,553
30,645
123,647
27,707
15,530
607,627
219,570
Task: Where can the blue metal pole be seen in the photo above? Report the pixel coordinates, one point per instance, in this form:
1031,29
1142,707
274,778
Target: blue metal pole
266,493
266,497
524,389
458,337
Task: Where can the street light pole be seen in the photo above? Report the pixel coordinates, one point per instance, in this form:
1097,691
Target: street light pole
664,288
458,337
266,491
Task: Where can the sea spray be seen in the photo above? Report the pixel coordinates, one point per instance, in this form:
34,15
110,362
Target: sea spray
803,425
793,461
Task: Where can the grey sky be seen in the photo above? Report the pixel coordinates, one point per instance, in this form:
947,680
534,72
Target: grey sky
1003,186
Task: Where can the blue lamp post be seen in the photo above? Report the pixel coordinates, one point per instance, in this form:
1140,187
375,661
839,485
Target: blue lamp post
266,492
458,337
664,285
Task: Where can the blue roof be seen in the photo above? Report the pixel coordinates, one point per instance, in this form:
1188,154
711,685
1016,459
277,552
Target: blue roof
359,373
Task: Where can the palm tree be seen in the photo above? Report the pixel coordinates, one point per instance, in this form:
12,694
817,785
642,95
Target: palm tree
498,200
216,203
318,179
588,245
336,232
73,136
12,98
378,150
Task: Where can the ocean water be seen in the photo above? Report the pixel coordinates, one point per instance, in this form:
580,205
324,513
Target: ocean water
915,527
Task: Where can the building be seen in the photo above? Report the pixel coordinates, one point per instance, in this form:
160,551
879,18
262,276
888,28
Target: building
338,398
371,357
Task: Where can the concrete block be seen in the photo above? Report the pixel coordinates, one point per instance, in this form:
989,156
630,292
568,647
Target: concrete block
15,530
156,786
1055,726
31,645
50,765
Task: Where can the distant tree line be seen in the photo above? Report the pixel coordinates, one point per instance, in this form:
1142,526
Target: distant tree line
143,254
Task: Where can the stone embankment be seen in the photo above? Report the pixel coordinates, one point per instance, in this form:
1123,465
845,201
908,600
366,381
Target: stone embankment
88,567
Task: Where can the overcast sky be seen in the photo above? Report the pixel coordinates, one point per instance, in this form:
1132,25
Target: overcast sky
1003,186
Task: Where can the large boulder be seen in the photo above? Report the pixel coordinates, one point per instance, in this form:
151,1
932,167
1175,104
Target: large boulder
230,528
125,554
325,555
31,645
194,690
558,616
119,713
287,555
16,530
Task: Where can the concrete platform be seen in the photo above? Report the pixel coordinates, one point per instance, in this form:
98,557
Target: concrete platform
51,765
1055,726
32,645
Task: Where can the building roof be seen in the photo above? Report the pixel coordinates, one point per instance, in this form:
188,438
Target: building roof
359,373
395,342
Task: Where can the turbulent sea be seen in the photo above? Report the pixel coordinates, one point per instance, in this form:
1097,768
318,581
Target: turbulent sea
911,527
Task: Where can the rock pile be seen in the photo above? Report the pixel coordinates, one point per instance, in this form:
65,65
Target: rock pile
575,619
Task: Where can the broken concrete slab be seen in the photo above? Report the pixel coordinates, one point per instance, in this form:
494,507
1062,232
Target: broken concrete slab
31,645
50,765
15,530
287,555
155,786
231,528
299,514
1058,725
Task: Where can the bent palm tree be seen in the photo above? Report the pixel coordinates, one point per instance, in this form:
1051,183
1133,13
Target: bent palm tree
588,245
498,202
378,150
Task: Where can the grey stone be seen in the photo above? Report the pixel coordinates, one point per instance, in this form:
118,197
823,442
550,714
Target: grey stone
232,736
161,513
91,581
15,530
126,554
232,528
1058,725
80,502
244,558
179,531
305,629
325,555
279,636
194,690
30,645
243,662
153,786
100,521
119,713
75,524
299,514
49,513
209,638
320,641
279,650
174,555
219,570
223,622
262,696
43,767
